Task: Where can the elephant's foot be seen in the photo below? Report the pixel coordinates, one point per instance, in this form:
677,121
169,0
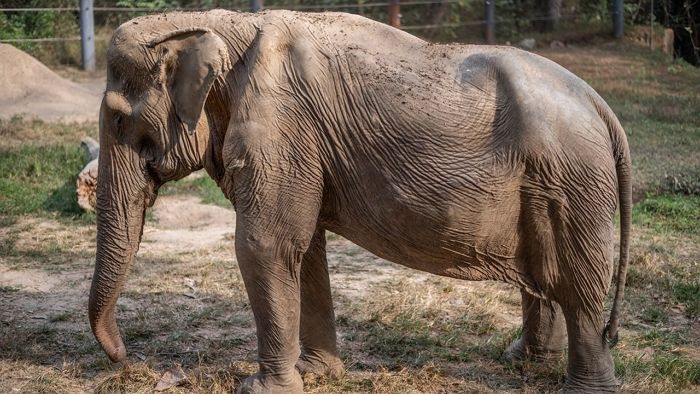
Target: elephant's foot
258,384
320,365
519,351
608,384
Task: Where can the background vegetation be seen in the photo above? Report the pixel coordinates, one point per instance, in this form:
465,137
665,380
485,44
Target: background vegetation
441,21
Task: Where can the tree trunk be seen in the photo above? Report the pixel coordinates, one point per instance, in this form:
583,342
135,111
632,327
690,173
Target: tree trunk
437,12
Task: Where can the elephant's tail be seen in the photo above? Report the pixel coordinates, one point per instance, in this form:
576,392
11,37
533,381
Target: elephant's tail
623,167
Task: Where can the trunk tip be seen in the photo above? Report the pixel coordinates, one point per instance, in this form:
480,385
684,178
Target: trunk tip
108,337
117,354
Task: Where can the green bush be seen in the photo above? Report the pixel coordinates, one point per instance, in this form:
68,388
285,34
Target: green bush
43,24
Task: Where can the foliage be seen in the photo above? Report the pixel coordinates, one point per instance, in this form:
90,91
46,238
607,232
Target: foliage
441,21
41,24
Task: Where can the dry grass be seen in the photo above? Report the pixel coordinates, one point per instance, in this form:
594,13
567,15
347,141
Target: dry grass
406,332
17,132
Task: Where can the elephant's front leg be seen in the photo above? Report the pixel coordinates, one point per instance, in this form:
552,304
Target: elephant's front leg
318,338
270,270
277,202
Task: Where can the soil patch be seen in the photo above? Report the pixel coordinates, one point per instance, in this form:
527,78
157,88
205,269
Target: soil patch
183,223
30,89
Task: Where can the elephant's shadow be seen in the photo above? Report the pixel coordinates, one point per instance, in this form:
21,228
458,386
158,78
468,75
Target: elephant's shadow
211,333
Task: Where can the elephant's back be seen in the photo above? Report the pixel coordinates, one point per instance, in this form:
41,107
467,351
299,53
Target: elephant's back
542,111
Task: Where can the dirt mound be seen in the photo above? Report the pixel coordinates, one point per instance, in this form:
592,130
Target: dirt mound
31,89
183,223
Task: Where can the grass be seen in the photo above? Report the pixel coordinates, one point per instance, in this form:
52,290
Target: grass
654,314
17,132
411,327
399,330
40,178
671,213
687,292
670,371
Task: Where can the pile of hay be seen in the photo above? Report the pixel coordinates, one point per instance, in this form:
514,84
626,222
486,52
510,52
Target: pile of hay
31,89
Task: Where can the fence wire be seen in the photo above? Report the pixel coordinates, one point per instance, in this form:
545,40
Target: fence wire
312,7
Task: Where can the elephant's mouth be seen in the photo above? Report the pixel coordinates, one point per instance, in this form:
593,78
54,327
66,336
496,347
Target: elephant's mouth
151,194
151,197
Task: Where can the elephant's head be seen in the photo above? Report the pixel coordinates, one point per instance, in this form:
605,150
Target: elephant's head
157,84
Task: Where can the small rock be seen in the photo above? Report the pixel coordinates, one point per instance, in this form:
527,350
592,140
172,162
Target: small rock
527,43
191,283
556,44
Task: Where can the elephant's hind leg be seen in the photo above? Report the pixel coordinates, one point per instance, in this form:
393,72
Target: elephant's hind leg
587,266
319,354
544,335
544,331
590,364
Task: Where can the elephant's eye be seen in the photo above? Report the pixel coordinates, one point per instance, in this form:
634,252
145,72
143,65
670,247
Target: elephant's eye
118,122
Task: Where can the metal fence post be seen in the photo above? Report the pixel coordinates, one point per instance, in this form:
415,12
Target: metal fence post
490,26
651,26
256,5
394,13
618,15
87,35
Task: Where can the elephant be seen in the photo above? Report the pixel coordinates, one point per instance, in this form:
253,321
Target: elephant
467,161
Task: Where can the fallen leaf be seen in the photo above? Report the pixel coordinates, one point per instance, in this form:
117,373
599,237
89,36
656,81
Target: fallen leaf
171,378
191,283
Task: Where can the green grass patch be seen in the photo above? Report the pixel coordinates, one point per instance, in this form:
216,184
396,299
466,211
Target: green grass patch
669,214
40,178
687,293
413,327
677,372
60,317
8,289
654,314
203,187
654,98
17,131
661,339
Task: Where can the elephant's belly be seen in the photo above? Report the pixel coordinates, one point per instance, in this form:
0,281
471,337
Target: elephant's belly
476,242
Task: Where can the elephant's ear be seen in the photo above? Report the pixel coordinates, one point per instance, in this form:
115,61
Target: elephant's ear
189,61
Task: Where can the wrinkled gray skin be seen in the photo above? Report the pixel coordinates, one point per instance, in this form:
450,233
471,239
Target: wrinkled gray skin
471,162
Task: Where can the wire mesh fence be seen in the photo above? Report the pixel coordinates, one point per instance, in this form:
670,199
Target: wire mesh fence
50,30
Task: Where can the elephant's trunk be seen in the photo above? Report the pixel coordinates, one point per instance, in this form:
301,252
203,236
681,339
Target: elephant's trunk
123,192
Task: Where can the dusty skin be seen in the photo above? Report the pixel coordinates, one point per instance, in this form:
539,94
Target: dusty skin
471,162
